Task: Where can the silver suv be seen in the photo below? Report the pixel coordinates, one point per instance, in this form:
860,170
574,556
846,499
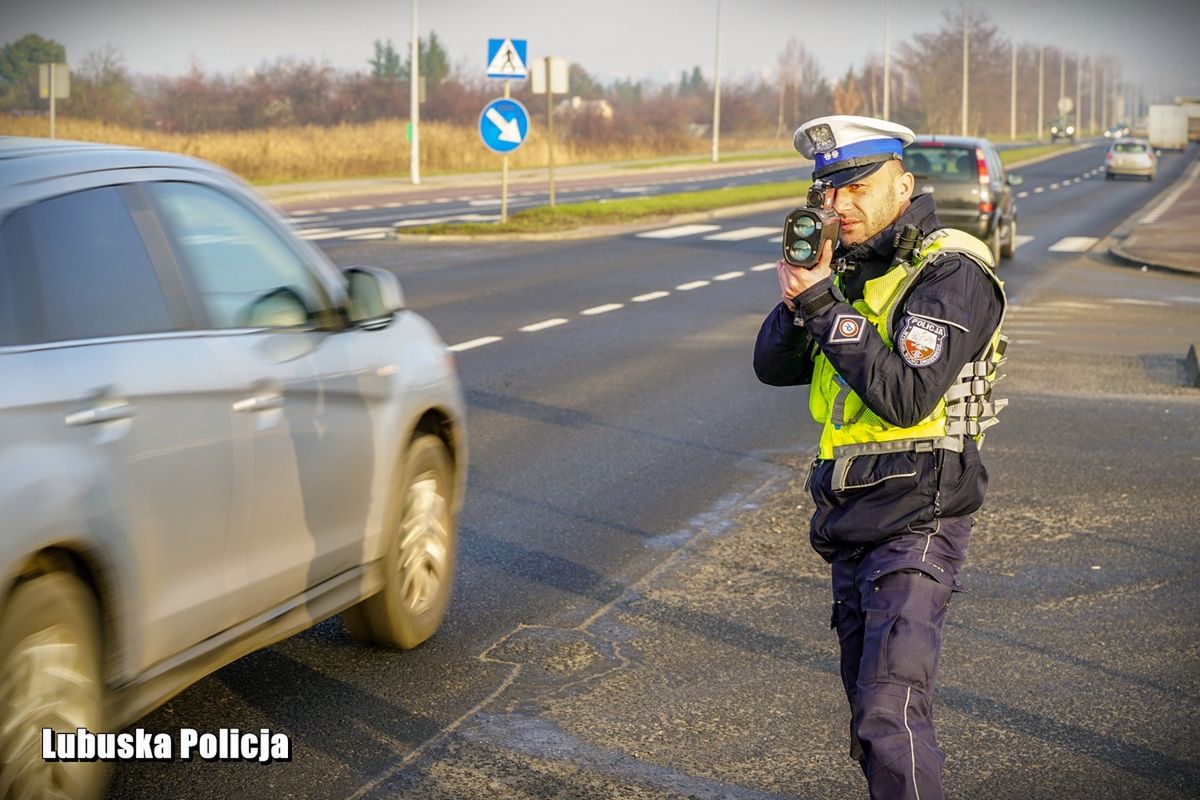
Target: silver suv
210,439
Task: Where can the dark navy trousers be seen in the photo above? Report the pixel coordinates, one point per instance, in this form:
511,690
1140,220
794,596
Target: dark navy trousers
888,610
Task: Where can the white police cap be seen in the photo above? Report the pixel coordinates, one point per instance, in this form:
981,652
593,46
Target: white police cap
846,148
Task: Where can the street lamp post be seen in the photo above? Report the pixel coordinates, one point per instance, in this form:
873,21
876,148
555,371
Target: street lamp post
716,137
887,58
966,68
1041,90
414,101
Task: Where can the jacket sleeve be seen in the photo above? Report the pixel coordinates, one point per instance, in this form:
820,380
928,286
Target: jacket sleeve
945,321
783,351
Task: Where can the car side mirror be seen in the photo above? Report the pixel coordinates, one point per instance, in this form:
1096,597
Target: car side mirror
1014,180
373,296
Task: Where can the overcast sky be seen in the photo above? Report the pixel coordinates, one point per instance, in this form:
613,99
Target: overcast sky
1157,40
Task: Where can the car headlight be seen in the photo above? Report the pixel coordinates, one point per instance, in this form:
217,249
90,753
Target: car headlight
1070,129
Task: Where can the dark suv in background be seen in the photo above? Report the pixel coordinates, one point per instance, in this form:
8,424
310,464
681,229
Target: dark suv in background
971,188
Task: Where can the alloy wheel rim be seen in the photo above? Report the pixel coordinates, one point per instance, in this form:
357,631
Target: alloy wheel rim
425,544
44,684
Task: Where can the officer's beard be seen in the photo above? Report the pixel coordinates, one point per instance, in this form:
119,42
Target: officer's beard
879,215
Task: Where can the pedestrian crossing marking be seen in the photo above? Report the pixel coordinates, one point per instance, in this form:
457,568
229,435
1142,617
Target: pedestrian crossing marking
1074,244
677,231
741,234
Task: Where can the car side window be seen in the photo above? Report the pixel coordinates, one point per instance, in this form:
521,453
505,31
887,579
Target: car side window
245,273
94,277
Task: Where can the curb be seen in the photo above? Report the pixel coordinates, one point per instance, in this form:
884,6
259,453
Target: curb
1118,235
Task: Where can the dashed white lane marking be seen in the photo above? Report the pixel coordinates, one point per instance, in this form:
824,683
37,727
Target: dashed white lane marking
1039,190
362,208
604,309
687,287
741,234
473,343
393,205
1054,186
645,298
1022,194
342,234
776,240
763,267
1134,301
332,210
677,231
1189,299
541,326
1026,341
1020,240
1073,304
728,276
303,212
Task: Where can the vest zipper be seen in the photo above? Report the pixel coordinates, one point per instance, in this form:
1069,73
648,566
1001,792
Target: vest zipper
938,457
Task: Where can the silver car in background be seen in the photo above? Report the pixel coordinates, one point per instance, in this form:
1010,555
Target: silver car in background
210,439
1134,157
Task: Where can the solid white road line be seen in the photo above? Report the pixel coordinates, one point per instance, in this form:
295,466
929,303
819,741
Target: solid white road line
644,298
342,234
728,276
363,237
604,309
687,287
541,326
741,234
1074,244
480,342
677,231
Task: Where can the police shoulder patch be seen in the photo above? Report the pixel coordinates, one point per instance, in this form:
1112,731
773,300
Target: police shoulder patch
847,329
921,341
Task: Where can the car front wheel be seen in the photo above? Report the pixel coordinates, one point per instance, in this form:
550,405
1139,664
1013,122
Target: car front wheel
419,563
50,677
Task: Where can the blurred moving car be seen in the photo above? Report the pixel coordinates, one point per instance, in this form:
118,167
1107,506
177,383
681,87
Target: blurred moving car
1117,131
1062,128
210,439
971,188
1134,157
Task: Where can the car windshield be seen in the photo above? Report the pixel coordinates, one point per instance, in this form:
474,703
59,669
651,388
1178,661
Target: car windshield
941,162
1129,147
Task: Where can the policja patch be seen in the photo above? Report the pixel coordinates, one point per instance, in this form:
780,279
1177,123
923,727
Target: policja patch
921,341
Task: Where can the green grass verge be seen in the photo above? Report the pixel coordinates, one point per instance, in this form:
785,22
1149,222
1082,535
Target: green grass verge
644,209
616,212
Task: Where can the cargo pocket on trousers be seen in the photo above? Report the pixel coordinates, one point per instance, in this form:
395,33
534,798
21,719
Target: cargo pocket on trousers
911,651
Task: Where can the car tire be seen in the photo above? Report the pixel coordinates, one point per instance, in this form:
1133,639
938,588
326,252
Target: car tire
993,243
419,562
50,677
1009,248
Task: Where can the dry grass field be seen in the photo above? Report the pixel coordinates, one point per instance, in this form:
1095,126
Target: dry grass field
276,155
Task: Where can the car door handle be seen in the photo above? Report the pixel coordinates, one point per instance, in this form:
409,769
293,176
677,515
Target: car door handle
99,414
259,402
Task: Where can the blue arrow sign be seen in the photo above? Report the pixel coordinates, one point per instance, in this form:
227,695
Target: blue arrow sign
503,125
506,59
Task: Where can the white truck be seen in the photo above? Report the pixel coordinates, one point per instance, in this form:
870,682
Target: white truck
1168,127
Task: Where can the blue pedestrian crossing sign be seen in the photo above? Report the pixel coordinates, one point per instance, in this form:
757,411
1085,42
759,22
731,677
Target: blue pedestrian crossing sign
506,59
503,125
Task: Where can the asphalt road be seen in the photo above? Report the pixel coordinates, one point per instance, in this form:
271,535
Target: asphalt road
637,612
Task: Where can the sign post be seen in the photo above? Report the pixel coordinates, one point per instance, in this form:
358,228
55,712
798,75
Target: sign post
550,77
505,60
54,82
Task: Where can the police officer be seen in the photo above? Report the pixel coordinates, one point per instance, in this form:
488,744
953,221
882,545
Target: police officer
897,331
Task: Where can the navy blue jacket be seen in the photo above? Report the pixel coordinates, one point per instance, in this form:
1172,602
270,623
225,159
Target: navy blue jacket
961,302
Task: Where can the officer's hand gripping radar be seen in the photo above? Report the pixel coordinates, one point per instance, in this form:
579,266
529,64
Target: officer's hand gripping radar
808,228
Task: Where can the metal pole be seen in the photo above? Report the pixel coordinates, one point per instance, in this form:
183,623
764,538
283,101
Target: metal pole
1104,94
414,101
504,172
550,126
966,69
716,138
1092,96
1062,84
1079,95
887,59
52,93
1041,90
1012,110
